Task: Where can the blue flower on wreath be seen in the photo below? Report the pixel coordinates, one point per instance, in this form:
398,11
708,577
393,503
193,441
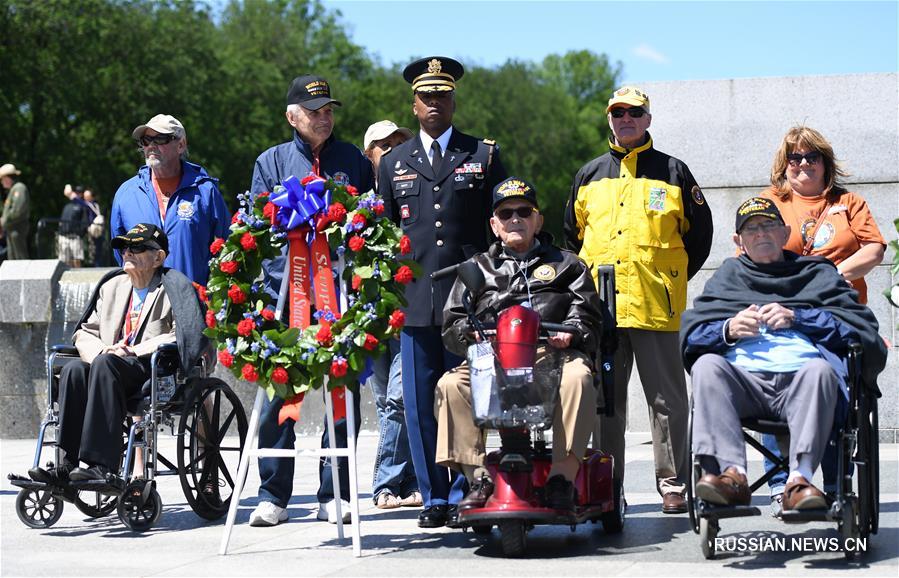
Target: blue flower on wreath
255,347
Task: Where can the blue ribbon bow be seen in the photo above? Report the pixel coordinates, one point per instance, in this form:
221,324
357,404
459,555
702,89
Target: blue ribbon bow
297,205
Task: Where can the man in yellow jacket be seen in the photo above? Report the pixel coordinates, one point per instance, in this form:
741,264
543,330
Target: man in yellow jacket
642,211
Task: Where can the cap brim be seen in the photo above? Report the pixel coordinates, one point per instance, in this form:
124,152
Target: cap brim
626,100
137,133
515,198
317,103
121,242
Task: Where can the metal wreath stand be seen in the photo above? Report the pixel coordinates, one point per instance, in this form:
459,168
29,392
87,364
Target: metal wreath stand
251,451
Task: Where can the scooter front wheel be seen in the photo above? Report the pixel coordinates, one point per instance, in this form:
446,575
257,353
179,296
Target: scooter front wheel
513,536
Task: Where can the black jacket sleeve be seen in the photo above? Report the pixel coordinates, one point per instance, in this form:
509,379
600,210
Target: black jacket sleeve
698,240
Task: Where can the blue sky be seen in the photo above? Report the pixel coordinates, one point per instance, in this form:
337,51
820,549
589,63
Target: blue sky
654,41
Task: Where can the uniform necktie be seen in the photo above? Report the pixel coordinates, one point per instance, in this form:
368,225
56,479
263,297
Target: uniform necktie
438,157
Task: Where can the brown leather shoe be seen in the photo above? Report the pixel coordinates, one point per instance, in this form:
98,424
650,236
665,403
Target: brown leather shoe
728,489
801,495
674,503
481,490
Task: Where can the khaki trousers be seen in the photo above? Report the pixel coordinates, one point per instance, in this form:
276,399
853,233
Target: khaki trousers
662,374
460,441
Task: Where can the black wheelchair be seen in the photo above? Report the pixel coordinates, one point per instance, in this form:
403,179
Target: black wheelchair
204,414
855,505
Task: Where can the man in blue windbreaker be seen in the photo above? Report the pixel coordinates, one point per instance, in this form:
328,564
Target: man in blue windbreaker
176,195
313,149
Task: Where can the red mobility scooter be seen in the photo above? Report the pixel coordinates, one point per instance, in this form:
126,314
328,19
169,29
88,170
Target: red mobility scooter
515,391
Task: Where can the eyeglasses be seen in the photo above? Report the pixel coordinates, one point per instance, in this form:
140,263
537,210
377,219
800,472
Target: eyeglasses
136,249
159,139
760,228
812,158
384,146
634,112
522,212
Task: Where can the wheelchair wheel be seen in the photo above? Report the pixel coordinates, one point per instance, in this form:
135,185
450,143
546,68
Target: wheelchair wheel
139,506
211,435
867,456
38,508
613,522
95,504
708,531
696,472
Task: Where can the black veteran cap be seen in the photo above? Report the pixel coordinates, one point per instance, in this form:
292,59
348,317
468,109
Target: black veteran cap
433,74
312,92
756,207
514,188
142,234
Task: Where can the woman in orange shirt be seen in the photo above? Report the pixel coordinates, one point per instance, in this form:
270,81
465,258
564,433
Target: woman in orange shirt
825,220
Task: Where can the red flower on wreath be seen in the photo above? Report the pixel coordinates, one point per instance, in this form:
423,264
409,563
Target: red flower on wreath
236,295
371,342
359,221
248,242
337,212
263,195
357,282
404,275
397,319
226,358
246,327
268,314
210,319
356,243
201,291
235,218
269,211
279,375
405,245
378,209
352,190
229,267
216,245
249,372
324,336
338,367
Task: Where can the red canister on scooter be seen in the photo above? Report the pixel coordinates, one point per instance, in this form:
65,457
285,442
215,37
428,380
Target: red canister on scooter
516,337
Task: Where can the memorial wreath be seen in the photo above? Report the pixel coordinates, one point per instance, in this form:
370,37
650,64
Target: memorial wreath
316,219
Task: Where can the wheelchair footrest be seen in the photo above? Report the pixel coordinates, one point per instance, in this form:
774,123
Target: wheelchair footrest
714,512
111,486
803,516
25,482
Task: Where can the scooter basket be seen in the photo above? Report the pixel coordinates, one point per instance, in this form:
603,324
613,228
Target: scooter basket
519,397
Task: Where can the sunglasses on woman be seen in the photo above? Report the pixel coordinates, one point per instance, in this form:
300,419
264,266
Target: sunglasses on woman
159,139
522,212
812,158
635,112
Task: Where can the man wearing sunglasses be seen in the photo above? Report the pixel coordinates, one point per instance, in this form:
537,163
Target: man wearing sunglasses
641,210
767,338
523,267
312,149
175,195
437,187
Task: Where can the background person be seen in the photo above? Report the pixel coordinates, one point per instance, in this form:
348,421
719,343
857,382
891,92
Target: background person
827,220
14,223
394,483
641,210
174,194
74,221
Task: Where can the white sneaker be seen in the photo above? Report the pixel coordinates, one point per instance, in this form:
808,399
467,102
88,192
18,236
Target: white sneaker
268,514
329,511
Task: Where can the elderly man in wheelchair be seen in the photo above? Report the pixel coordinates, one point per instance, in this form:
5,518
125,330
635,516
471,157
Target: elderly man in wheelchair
768,338
523,267
144,323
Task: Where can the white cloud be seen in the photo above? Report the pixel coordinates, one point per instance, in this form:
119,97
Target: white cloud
647,52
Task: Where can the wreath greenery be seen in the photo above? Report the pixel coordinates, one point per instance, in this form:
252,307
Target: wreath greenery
286,361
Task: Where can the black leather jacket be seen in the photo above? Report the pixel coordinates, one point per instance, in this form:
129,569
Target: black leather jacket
562,291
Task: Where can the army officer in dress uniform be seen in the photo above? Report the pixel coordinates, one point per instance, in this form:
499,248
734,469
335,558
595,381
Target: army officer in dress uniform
437,186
